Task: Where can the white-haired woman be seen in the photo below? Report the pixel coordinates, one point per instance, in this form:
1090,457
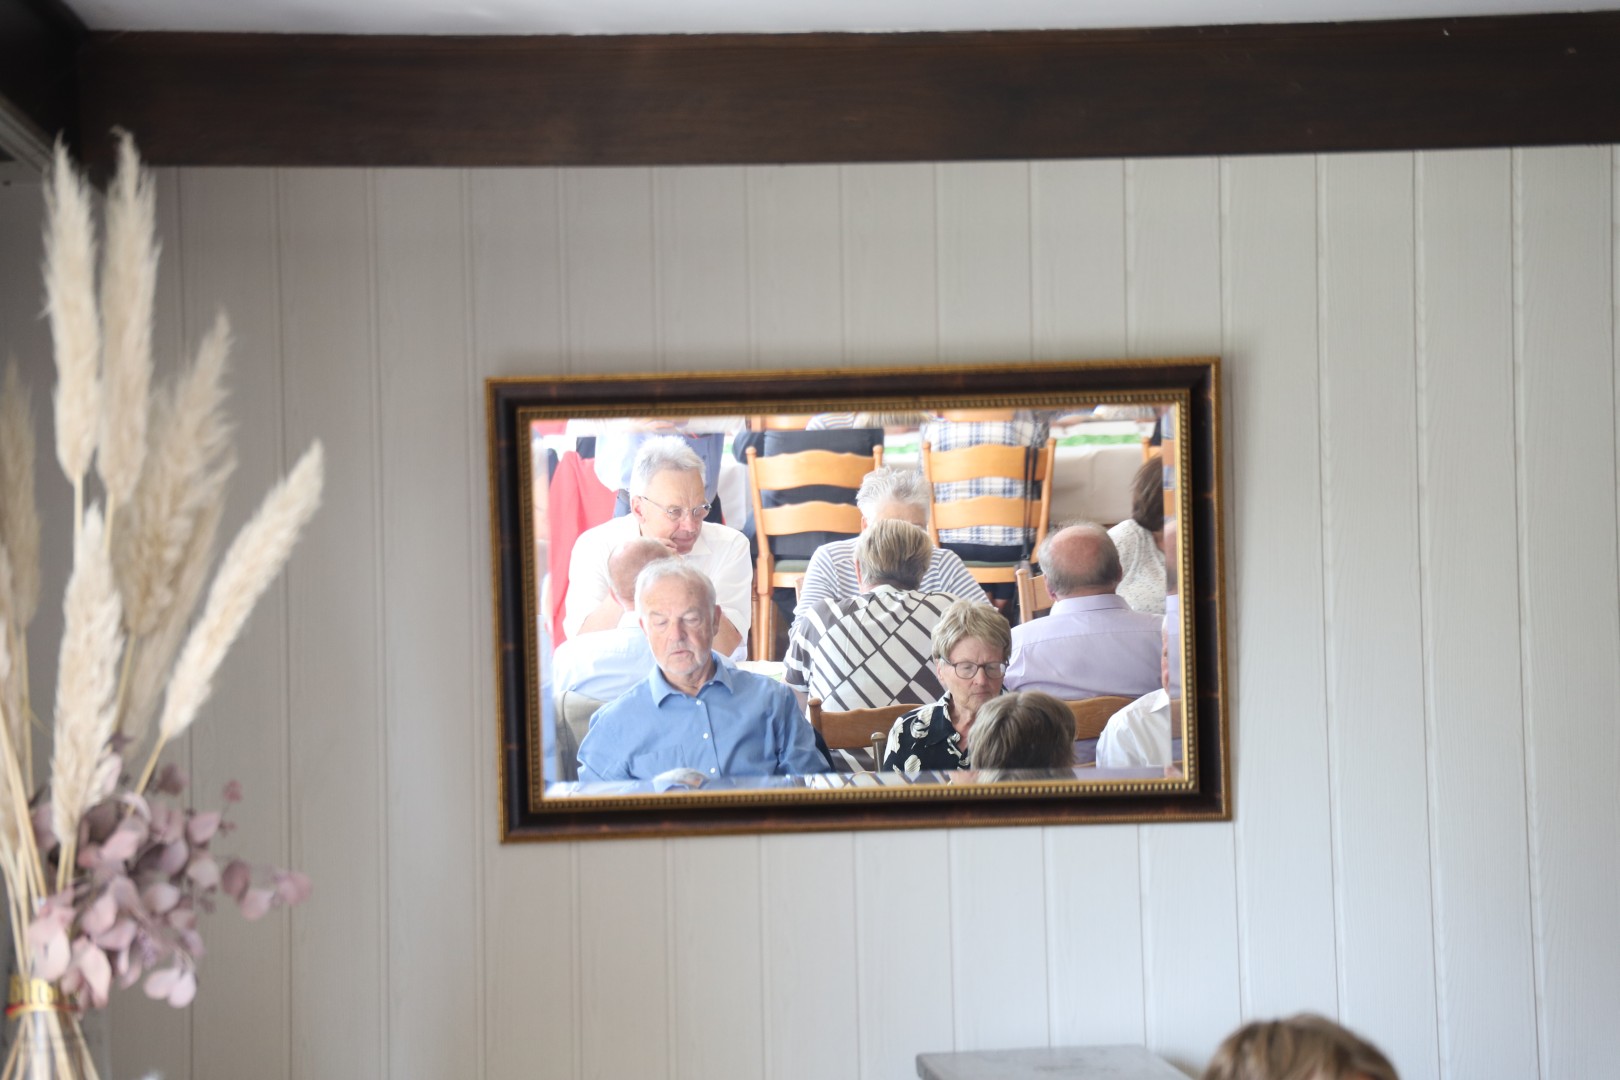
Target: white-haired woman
971,645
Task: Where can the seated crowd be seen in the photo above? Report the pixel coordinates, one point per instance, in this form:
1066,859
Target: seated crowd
658,610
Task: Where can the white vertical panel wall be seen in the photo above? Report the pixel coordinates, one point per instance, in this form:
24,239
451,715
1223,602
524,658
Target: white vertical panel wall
1423,585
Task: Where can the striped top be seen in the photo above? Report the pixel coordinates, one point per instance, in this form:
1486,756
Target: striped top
868,650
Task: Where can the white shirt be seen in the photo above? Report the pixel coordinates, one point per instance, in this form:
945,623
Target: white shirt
720,552
602,664
1138,736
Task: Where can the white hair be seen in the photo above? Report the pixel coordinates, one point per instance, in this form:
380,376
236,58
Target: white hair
892,483
660,454
662,569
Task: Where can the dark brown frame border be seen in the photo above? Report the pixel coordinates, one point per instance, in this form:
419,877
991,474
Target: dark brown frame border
237,99
1198,379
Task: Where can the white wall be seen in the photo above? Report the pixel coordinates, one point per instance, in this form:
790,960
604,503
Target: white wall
1425,617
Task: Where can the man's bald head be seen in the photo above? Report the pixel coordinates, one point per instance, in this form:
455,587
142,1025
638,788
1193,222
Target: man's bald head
1080,560
628,560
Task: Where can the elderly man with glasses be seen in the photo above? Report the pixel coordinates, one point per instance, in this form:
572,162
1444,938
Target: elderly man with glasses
666,505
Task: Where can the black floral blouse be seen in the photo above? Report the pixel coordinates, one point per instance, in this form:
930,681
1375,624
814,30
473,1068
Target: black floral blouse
925,739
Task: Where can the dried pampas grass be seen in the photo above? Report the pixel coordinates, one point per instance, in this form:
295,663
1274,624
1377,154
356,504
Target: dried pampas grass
70,299
254,559
187,464
19,514
92,639
128,289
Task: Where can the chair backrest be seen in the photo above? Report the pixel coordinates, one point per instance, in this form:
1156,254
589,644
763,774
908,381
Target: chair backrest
1091,714
808,468
1033,599
989,461
575,710
858,728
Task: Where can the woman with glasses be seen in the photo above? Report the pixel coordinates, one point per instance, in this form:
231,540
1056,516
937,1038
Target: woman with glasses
971,644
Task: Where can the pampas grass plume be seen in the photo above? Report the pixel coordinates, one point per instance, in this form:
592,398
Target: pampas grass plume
70,299
187,464
86,679
19,513
252,562
128,289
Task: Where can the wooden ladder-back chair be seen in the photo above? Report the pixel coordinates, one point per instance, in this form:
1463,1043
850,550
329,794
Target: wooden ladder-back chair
1033,599
858,729
1091,714
780,472
991,461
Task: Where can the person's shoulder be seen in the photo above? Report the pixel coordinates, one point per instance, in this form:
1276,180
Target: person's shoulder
720,537
607,532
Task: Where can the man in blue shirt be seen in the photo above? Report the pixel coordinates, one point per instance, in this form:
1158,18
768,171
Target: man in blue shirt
694,716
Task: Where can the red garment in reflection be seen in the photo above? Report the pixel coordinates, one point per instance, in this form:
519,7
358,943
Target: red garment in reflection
578,501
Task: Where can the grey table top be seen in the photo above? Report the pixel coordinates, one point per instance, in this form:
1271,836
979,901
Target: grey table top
1048,1063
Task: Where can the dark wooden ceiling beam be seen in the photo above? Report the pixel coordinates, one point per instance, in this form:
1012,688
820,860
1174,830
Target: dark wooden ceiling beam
227,99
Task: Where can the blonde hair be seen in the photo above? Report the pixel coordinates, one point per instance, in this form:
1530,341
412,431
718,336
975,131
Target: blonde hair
966,619
1030,730
1303,1047
894,553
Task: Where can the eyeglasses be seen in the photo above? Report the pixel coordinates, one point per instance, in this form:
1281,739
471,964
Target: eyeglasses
675,513
967,669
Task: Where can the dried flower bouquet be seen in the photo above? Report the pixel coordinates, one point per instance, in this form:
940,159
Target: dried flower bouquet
105,870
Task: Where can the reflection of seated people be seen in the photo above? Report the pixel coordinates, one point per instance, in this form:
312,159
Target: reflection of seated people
1300,1046
1030,730
1092,644
987,543
970,645
889,493
873,649
1139,539
694,710
666,505
892,422
603,664
619,441
1140,735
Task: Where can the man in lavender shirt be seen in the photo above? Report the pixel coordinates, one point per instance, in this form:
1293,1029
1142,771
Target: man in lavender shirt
1092,644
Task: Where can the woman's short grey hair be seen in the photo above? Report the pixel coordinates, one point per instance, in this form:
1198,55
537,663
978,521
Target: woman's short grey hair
966,619
663,570
892,483
1029,730
661,454
894,553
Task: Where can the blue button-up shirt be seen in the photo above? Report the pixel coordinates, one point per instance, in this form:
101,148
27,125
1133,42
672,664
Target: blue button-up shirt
739,724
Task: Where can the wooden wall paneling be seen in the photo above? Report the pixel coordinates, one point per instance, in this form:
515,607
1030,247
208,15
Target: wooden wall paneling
716,956
1470,558
700,228
610,309
625,953
998,938
530,1020
140,1029
1095,992
984,227
813,1014
903,949
891,307
1375,631
230,253
795,266
1565,371
335,627
1077,259
1093,874
435,917
1282,833
1189,920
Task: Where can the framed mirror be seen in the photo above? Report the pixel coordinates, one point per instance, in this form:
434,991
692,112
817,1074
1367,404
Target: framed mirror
1128,446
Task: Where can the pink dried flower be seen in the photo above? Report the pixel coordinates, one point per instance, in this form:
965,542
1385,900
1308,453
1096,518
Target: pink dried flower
233,792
